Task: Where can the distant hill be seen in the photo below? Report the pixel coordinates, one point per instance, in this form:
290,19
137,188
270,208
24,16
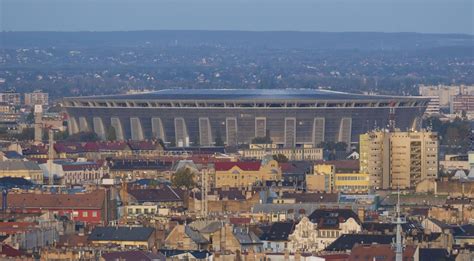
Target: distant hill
232,39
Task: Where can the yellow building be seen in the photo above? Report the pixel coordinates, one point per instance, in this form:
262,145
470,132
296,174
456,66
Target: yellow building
243,174
399,159
322,178
22,169
325,178
351,182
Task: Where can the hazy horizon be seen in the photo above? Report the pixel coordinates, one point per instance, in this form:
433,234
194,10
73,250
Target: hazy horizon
389,16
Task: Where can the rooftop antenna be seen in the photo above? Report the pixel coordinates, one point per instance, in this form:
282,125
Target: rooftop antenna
50,157
399,222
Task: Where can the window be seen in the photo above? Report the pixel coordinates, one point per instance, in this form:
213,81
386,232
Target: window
94,213
85,214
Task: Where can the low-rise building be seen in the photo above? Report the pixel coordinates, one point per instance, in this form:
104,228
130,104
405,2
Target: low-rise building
332,223
86,207
22,169
260,151
276,238
125,237
76,173
36,98
140,169
243,174
352,182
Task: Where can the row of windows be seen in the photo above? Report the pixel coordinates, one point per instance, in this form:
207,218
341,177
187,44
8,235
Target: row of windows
351,178
84,214
355,187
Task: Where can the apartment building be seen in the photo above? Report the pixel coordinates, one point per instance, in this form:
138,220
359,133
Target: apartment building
399,159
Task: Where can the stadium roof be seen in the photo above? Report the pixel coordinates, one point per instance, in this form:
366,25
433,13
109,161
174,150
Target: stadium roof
241,94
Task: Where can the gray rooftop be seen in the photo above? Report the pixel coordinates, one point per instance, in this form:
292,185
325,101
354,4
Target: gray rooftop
120,234
18,165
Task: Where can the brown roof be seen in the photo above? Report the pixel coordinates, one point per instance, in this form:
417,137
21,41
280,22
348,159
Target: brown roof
243,165
94,200
382,251
342,165
72,240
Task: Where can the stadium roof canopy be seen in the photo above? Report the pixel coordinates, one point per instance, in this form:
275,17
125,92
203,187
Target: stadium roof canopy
241,94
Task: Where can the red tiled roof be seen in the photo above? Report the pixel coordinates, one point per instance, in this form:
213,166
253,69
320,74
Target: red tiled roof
105,146
142,145
245,166
77,167
8,251
93,200
69,147
35,150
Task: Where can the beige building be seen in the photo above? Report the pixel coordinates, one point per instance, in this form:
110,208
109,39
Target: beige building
36,98
399,159
244,174
21,169
315,232
445,93
259,151
325,178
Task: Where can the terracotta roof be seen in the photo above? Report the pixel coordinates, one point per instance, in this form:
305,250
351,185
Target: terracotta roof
94,200
245,166
105,146
35,150
72,240
8,251
69,147
76,166
143,145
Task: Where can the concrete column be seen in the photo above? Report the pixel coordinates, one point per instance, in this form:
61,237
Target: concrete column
99,127
136,128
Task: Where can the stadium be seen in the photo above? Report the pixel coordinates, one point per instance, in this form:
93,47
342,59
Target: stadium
208,117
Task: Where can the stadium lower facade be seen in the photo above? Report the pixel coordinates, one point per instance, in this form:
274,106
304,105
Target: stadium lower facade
290,117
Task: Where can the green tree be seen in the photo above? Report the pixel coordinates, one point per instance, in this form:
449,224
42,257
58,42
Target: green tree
340,146
61,135
183,178
218,141
83,136
30,118
263,140
111,134
280,158
26,134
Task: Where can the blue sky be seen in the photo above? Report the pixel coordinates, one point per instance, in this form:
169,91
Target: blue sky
427,16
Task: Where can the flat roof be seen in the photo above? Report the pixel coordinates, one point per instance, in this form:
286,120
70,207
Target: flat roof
242,94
